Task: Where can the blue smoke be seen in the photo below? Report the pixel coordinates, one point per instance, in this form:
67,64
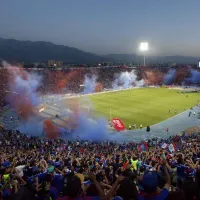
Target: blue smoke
86,129
28,87
24,84
93,130
33,126
89,84
169,77
126,80
195,77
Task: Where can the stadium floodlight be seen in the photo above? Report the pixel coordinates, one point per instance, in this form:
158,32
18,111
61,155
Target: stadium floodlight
144,46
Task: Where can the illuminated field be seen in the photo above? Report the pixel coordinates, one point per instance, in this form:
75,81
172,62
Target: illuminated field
146,106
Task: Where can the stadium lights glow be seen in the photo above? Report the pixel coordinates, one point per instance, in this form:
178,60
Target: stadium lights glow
144,46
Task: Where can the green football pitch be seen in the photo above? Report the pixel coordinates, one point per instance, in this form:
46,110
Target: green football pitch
146,106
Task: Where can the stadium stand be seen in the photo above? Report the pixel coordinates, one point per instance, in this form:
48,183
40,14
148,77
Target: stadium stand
55,80
38,168
42,168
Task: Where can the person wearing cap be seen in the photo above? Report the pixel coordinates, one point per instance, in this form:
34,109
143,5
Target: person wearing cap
149,185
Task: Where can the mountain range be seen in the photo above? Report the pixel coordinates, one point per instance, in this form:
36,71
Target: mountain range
31,52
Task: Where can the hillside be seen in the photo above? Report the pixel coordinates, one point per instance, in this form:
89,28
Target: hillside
29,52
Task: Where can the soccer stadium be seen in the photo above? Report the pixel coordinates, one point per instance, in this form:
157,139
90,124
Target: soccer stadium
99,100
124,102
97,129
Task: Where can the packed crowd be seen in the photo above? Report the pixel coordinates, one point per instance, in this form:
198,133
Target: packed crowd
40,168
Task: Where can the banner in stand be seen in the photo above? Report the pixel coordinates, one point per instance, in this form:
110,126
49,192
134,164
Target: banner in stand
118,124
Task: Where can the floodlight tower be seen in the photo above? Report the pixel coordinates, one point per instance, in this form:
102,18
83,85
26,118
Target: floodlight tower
144,47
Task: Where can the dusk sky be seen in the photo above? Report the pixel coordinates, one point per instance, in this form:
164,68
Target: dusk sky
172,27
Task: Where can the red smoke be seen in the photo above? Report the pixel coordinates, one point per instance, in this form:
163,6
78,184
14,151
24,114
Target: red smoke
181,74
23,106
153,77
61,84
50,129
99,87
73,105
20,102
62,79
71,123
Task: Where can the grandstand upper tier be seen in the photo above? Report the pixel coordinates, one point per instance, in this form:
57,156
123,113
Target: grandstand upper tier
69,80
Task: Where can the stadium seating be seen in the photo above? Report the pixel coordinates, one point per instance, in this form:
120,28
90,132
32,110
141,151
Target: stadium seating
43,168
39,168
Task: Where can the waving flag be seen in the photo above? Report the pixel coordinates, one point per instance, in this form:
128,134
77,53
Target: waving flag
105,163
143,147
182,141
164,145
125,165
172,148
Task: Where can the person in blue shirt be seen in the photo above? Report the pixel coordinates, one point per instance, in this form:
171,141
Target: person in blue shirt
44,189
58,182
181,171
57,163
149,185
6,164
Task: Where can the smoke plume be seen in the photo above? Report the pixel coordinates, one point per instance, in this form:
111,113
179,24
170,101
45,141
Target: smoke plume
194,78
24,97
169,77
86,128
126,80
90,84
22,94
